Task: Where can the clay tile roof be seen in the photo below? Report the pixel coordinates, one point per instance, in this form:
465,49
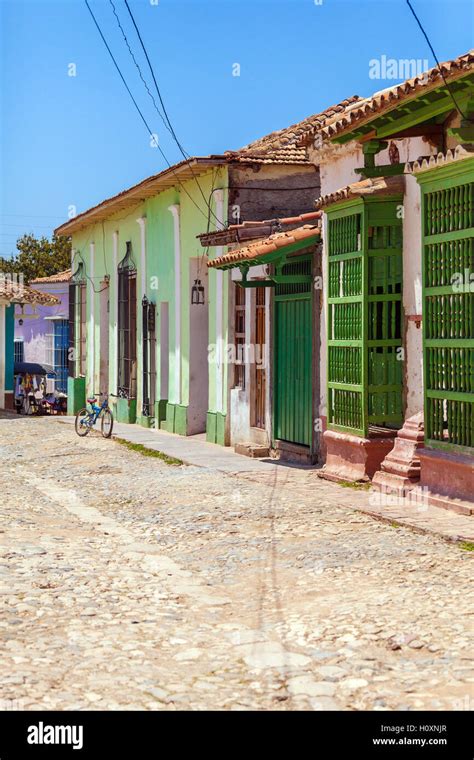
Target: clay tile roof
147,188
286,145
366,109
268,245
58,277
237,233
16,292
371,186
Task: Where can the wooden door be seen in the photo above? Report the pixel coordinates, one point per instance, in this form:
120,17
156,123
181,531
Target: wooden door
260,352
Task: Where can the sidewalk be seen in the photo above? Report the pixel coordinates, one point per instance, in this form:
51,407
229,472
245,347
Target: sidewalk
302,481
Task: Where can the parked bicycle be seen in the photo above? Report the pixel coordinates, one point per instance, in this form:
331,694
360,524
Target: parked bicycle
86,418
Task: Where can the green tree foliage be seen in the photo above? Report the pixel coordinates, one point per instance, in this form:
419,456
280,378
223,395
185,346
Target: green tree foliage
38,257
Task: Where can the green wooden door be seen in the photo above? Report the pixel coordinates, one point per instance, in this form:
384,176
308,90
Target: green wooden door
292,404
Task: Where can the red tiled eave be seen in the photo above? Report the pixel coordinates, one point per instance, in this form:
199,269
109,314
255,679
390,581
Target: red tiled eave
14,292
238,233
366,109
272,244
58,277
371,186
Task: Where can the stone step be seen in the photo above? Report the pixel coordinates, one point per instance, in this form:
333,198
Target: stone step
252,450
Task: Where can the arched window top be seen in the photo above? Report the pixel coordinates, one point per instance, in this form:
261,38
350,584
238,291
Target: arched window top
79,276
127,264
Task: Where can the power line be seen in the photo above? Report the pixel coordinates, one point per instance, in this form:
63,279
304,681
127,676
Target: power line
464,116
155,82
138,67
171,129
138,109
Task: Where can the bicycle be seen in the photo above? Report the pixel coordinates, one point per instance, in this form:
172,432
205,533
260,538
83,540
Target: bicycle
85,419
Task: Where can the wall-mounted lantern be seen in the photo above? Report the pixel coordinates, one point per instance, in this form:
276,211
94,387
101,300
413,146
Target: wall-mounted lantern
197,292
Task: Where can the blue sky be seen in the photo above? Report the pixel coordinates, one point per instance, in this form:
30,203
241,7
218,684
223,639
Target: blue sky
77,140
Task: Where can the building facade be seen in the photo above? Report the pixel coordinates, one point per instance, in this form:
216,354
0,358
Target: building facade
42,332
13,293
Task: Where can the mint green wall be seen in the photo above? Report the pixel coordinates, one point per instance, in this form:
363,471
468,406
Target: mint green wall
159,275
103,264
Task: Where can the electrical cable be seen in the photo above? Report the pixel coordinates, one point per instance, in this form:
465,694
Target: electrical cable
464,116
185,155
138,67
138,109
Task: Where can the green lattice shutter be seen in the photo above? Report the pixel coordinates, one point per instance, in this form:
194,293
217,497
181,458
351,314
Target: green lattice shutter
346,326
365,315
448,305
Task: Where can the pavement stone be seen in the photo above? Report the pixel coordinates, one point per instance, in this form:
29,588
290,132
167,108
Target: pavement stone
133,584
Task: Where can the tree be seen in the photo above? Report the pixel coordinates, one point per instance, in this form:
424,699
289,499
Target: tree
38,257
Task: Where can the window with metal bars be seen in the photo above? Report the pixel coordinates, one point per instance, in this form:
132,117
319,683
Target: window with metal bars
239,337
57,352
19,351
149,357
77,323
127,327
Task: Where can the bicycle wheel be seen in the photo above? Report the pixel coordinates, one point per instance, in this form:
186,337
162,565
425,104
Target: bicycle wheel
107,423
82,422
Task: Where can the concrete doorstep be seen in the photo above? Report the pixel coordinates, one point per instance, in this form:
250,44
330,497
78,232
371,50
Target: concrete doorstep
416,515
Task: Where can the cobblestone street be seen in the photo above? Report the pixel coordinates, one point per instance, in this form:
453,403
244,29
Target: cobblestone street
133,584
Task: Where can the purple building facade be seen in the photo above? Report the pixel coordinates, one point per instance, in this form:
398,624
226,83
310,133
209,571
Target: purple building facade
42,332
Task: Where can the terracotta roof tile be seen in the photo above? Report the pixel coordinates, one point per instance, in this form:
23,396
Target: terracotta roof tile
285,145
169,177
363,110
371,186
58,277
237,233
15,292
267,245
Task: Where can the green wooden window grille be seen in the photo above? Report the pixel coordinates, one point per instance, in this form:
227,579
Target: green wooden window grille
448,305
364,315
